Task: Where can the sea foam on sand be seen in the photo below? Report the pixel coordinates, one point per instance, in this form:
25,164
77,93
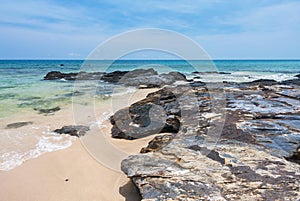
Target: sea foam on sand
18,147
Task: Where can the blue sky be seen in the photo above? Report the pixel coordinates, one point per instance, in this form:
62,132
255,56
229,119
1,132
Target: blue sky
226,29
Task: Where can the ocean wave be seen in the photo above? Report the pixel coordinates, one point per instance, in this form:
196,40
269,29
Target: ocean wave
16,152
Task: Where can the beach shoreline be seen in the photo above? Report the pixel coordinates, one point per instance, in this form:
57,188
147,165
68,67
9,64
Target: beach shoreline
70,173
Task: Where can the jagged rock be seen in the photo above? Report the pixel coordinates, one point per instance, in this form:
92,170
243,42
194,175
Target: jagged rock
18,124
158,143
256,158
148,77
230,170
159,112
113,77
73,130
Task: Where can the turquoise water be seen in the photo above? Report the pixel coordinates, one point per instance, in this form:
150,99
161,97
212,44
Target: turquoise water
22,85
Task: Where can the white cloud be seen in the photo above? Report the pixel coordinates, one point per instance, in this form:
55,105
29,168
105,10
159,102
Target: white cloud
72,54
276,17
46,16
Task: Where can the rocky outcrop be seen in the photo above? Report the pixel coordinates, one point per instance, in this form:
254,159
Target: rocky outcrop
256,156
230,170
73,130
147,78
159,112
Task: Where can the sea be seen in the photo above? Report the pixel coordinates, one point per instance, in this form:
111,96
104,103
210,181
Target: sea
22,88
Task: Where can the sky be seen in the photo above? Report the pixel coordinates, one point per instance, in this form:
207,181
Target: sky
225,29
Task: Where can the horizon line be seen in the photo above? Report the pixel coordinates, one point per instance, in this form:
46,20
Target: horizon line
150,59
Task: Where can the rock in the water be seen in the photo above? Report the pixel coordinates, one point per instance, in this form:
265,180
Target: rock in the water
73,130
261,82
47,111
147,77
18,124
54,75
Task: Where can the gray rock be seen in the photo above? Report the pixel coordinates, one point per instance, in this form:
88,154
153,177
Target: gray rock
137,77
73,130
18,124
257,156
47,111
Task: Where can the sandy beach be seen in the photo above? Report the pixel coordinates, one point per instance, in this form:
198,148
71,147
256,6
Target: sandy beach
71,173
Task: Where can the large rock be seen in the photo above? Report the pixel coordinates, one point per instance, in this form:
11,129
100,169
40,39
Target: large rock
159,112
138,77
231,170
257,156
143,115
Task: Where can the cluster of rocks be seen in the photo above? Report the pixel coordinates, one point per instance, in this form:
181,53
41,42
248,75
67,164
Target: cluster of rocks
145,78
256,157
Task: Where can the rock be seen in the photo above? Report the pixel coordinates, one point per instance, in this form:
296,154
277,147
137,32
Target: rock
157,143
18,124
295,157
151,78
54,75
73,130
113,77
224,73
256,157
47,111
178,76
180,171
262,82
147,77
298,76
291,82
158,113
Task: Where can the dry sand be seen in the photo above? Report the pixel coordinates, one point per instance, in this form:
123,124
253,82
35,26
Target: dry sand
72,174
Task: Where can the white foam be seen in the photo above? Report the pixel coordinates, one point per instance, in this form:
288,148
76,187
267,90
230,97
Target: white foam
121,91
244,76
18,152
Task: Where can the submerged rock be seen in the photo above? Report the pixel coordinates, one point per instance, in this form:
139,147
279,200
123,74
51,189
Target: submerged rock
18,124
73,130
47,111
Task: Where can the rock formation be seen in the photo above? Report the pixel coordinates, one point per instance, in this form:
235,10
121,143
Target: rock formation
256,156
147,78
